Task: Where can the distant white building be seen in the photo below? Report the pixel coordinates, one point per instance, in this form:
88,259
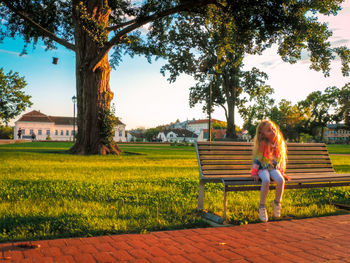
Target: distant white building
136,136
119,132
177,135
55,127
197,126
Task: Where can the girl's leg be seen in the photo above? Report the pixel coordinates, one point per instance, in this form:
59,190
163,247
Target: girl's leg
278,178
265,183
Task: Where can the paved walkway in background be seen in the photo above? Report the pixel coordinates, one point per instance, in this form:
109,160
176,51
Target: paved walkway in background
325,239
10,141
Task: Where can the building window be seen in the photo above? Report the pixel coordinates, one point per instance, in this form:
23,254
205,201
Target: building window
73,131
23,132
67,132
47,132
61,132
31,132
39,132
56,132
120,134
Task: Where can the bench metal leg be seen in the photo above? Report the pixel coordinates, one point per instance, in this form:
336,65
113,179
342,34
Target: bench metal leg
224,215
201,195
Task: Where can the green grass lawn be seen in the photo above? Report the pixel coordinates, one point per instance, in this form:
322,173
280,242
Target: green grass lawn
338,148
47,193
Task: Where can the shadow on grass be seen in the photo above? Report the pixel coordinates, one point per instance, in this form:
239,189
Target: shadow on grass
44,148
16,228
37,147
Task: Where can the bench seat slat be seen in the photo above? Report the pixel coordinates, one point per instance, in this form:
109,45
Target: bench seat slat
249,157
242,179
233,172
218,166
221,152
249,162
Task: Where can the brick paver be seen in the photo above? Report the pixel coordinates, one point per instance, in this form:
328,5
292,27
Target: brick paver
324,239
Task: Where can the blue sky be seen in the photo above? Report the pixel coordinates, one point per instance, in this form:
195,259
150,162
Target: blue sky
143,97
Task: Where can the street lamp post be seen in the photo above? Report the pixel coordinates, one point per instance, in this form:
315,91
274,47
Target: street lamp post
74,99
210,72
211,75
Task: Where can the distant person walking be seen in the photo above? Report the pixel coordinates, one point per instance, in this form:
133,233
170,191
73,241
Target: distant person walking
270,156
19,133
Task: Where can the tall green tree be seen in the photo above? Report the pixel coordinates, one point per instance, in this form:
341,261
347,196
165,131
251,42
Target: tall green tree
220,41
321,107
94,28
91,29
290,118
259,108
13,100
212,53
343,106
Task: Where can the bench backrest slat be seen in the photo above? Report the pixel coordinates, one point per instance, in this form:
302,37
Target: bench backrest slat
234,159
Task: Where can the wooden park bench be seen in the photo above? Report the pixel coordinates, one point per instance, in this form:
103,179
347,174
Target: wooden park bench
230,163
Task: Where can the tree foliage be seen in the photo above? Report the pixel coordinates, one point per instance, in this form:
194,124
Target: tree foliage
343,108
308,118
6,132
94,28
13,100
320,108
290,118
216,42
91,29
259,108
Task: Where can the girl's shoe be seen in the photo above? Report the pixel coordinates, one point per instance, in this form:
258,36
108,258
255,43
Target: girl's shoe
276,209
263,215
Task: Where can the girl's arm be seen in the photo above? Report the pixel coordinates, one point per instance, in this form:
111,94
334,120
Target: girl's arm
286,177
255,170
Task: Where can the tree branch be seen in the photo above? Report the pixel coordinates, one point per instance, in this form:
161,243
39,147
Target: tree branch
121,25
226,113
142,21
45,32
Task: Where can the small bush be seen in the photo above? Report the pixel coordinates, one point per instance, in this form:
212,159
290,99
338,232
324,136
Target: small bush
6,132
304,137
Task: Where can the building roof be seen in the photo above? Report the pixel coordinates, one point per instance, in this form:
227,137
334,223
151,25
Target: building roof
62,120
336,126
202,121
37,116
137,134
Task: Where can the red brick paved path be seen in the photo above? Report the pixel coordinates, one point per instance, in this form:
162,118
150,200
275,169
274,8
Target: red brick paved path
325,239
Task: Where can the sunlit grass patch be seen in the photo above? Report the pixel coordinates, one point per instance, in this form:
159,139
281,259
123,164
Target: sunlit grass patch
47,193
338,148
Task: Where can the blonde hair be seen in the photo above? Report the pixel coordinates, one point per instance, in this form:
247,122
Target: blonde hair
260,140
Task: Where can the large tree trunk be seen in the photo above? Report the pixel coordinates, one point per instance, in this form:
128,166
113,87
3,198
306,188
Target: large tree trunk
231,129
92,86
230,93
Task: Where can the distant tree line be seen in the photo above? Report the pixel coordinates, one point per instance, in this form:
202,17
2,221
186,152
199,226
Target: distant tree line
307,117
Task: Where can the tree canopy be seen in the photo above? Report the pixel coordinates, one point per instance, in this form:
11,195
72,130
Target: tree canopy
13,100
308,117
94,28
215,42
